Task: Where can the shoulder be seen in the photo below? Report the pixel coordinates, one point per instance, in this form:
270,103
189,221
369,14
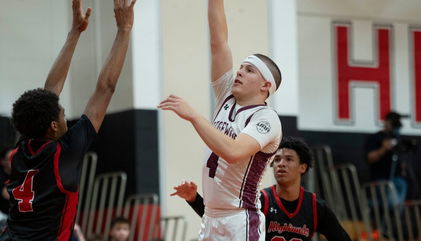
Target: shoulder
266,191
266,116
267,111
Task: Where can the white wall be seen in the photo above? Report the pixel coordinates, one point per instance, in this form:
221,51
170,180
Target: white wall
31,35
284,50
317,68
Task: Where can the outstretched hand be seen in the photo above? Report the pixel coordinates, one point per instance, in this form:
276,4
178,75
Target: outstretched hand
179,106
124,15
186,190
80,20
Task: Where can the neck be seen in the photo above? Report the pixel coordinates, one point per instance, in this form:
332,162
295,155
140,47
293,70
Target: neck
289,191
49,136
245,101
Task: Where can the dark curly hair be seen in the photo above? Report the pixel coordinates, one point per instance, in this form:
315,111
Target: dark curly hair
34,111
119,220
299,146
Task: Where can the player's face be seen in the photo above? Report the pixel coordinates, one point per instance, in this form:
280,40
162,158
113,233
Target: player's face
120,232
248,81
287,167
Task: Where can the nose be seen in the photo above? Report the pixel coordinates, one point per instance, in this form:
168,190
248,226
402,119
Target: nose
240,72
282,162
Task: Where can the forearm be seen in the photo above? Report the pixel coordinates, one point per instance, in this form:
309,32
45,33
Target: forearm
59,70
112,68
375,155
222,145
217,23
198,205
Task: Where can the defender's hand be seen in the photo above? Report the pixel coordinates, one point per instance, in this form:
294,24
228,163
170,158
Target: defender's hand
124,14
80,21
186,190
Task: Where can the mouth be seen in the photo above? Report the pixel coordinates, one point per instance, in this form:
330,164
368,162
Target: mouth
236,81
281,172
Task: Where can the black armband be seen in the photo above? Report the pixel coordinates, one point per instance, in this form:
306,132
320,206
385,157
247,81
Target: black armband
198,205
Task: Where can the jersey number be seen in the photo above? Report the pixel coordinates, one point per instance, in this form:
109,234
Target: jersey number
278,238
25,193
212,164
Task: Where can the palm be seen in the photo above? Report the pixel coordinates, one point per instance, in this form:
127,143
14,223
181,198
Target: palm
186,190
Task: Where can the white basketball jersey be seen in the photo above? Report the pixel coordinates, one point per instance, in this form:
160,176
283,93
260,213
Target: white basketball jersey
233,186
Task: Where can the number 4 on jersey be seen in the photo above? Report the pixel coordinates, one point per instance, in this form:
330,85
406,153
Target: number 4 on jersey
24,193
212,164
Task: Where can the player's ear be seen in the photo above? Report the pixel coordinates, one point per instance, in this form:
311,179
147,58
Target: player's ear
266,86
54,126
303,168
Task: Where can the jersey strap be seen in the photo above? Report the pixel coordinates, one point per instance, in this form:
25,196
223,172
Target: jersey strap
265,202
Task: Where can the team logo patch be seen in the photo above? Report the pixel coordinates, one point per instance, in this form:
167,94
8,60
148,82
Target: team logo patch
263,127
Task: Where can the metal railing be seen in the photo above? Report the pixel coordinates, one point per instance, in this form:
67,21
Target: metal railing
107,202
330,185
85,188
413,220
142,211
173,228
381,200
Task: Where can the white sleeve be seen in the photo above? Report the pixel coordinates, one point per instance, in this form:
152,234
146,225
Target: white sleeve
222,87
266,128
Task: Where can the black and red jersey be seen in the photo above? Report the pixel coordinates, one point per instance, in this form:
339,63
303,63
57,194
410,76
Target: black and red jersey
289,221
43,185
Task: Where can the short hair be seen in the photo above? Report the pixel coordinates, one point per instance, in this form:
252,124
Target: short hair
34,111
299,146
394,118
274,69
96,237
118,220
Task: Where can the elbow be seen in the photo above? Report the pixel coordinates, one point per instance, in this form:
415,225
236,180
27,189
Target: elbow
106,86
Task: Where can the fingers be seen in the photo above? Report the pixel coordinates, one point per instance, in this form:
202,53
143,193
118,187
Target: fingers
132,3
75,4
88,13
117,3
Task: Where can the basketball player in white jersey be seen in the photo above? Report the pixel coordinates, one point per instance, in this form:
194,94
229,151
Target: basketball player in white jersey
242,138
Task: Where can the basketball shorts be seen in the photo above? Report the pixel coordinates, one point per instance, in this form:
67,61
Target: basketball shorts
245,225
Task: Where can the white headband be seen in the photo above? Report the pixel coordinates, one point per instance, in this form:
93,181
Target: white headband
264,70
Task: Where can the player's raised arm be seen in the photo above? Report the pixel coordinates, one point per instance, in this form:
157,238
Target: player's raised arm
107,80
221,52
60,68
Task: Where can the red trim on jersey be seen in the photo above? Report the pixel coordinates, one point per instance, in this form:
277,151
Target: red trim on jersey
31,151
69,210
13,154
281,206
266,202
314,213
